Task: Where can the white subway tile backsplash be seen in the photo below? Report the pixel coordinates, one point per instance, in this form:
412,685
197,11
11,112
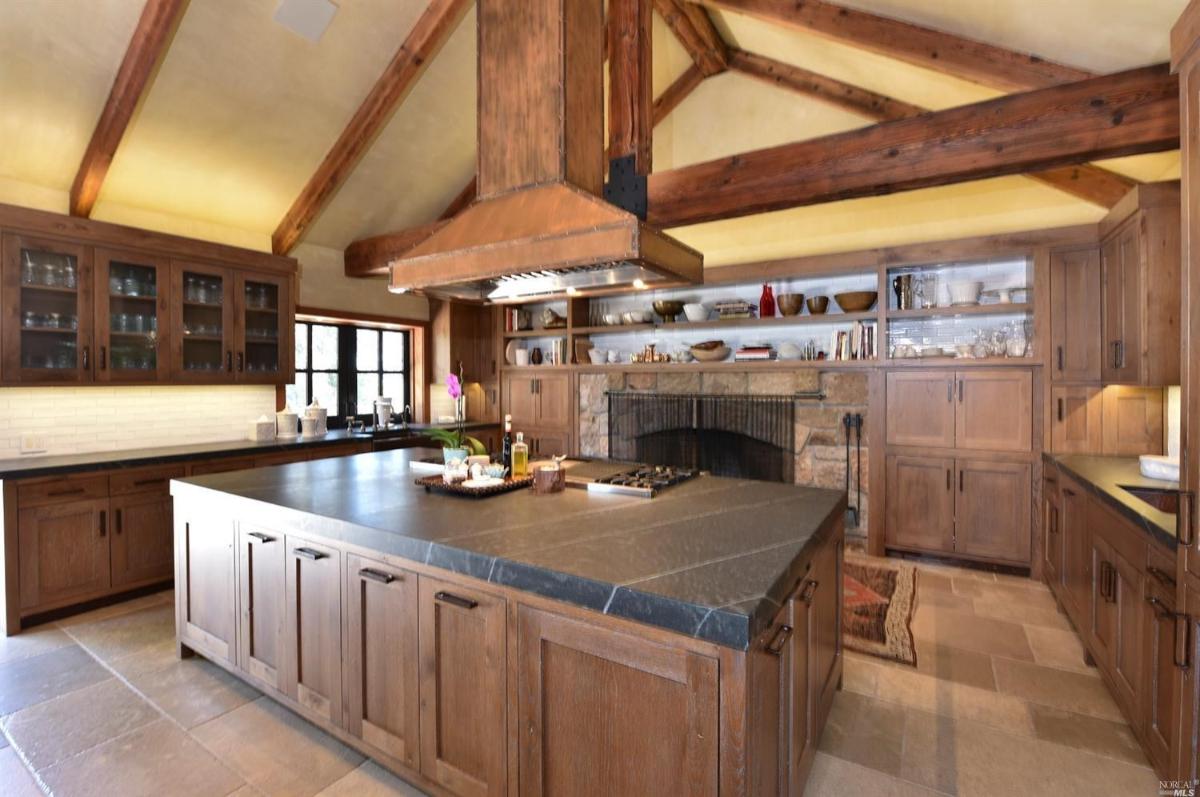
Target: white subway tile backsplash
79,420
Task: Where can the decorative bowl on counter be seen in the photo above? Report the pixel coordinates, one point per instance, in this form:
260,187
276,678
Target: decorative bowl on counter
790,303
695,312
965,292
856,301
817,305
710,351
669,309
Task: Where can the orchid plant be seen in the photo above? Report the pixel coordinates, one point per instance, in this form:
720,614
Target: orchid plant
457,437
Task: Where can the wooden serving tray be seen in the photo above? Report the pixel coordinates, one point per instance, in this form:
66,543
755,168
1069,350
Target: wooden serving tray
438,484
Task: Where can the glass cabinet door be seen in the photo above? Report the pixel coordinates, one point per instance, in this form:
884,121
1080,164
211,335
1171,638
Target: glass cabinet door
264,352
132,293
202,323
47,311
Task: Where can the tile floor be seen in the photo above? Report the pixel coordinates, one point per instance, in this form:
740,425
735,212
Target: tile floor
1001,703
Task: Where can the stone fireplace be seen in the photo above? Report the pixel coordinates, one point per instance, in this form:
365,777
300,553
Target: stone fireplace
819,438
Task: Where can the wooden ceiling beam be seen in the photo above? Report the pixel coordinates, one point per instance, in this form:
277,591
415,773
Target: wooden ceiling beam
369,257
630,91
1122,114
696,32
464,198
948,53
677,92
424,41
145,52
1090,183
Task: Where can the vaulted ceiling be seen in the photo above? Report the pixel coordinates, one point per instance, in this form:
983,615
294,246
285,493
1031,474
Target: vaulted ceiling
241,113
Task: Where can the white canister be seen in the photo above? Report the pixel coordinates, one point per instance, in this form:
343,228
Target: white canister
285,423
262,430
320,415
521,356
308,427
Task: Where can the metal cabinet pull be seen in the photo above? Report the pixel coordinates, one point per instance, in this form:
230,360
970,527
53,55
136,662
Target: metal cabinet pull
1183,642
1160,609
86,353
264,538
455,600
229,360
1162,578
949,391
103,523
1060,358
144,482
117,530
960,481
775,646
309,553
1060,410
1068,493
960,390
948,478
1120,354
103,357
241,362
806,594
1184,521
371,574
75,491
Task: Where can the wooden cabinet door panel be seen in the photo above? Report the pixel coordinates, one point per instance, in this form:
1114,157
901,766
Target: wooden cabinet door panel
1075,419
1164,680
825,629
463,696
1133,420
1077,551
314,627
1075,301
553,400
1121,321
1053,552
142,539
203,323
520,401
383,694
206,574
263,353
993,510
544,445
262,589
920,408
920,503
589,698
64,552
1127,654
1188,754
1102,628
994,410
133,328
799,722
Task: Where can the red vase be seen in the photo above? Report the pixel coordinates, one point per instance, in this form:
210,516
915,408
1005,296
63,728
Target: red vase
766,303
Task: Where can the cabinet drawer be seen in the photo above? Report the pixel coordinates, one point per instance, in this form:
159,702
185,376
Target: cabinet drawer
280,458
81,488
156,479
220,466
343,450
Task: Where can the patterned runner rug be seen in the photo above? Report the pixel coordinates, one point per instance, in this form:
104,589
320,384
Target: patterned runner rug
880,598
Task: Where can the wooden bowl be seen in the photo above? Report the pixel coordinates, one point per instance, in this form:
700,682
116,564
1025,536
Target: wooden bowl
856,301
710,355
790,303
817,305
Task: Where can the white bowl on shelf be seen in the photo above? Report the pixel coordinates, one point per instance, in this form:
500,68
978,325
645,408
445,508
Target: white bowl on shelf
695,312
598,356
965,292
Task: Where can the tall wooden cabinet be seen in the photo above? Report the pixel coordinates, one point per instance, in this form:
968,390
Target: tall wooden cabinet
540,405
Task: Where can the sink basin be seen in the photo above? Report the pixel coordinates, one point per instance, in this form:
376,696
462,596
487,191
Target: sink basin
1162,500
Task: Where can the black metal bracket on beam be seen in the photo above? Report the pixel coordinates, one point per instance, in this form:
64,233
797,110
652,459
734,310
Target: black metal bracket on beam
626,188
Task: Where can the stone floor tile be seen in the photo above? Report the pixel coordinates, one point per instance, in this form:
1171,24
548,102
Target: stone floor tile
156,759
370,780
858,673
33,642
26,682
933,580
955,664
944,598
834,777
918,691
967,758
1022,615
866,731
1070,691
970,632
125,634
57,729
190,691
1005,595
276,751
15,780
1092,735
1056,647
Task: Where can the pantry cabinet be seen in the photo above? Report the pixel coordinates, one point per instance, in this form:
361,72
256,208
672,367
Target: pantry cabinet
312,637
540,406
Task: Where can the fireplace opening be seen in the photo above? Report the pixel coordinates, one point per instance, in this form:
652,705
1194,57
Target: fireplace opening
749,437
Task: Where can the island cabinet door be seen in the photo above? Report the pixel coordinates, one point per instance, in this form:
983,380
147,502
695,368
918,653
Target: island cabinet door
823,595
602,712
381,659
313,635
463,668
793,642
205,579
261,590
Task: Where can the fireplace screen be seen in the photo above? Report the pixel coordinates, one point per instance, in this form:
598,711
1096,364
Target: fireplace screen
751,437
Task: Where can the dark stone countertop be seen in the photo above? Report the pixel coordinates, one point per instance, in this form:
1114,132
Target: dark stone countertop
712,558
1103,477
53,465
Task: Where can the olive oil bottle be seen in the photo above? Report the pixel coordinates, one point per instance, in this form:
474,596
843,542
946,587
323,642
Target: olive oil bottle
520,457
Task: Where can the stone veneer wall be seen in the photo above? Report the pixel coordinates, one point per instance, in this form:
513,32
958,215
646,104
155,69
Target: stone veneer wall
820,438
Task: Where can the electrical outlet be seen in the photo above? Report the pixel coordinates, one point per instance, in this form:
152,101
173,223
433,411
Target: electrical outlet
33,444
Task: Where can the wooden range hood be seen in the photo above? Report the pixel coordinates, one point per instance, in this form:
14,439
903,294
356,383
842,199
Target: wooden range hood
539,227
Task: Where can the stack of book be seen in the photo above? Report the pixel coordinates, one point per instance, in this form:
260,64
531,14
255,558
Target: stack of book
734,308
856,343
517,319
557,355
760,351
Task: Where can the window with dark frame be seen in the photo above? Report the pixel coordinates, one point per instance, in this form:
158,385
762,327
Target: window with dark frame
347,366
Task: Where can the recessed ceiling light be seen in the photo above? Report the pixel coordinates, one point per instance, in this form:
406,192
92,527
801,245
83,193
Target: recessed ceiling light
308,18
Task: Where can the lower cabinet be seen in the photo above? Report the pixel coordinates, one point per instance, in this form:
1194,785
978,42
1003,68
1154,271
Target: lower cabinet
206,584
590,698
1077,552
141,539
920,503
1052,536
313,634
381,656
261,592
463,664
64,553
1116,606
1163,682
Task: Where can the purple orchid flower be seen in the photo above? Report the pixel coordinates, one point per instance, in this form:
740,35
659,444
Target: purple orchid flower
454,387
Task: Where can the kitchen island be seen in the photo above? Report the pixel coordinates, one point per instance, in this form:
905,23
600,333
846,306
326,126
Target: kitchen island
574,643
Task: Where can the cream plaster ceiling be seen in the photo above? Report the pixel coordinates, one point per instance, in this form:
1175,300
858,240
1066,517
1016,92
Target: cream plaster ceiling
242,111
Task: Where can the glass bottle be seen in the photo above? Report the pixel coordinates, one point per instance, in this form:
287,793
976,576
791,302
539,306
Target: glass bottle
520,457
506,446
766,302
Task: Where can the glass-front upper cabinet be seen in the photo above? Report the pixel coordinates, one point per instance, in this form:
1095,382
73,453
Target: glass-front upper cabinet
132,306
47,310
202,323
264,352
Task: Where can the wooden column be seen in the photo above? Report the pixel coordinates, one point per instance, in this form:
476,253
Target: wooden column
630,93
